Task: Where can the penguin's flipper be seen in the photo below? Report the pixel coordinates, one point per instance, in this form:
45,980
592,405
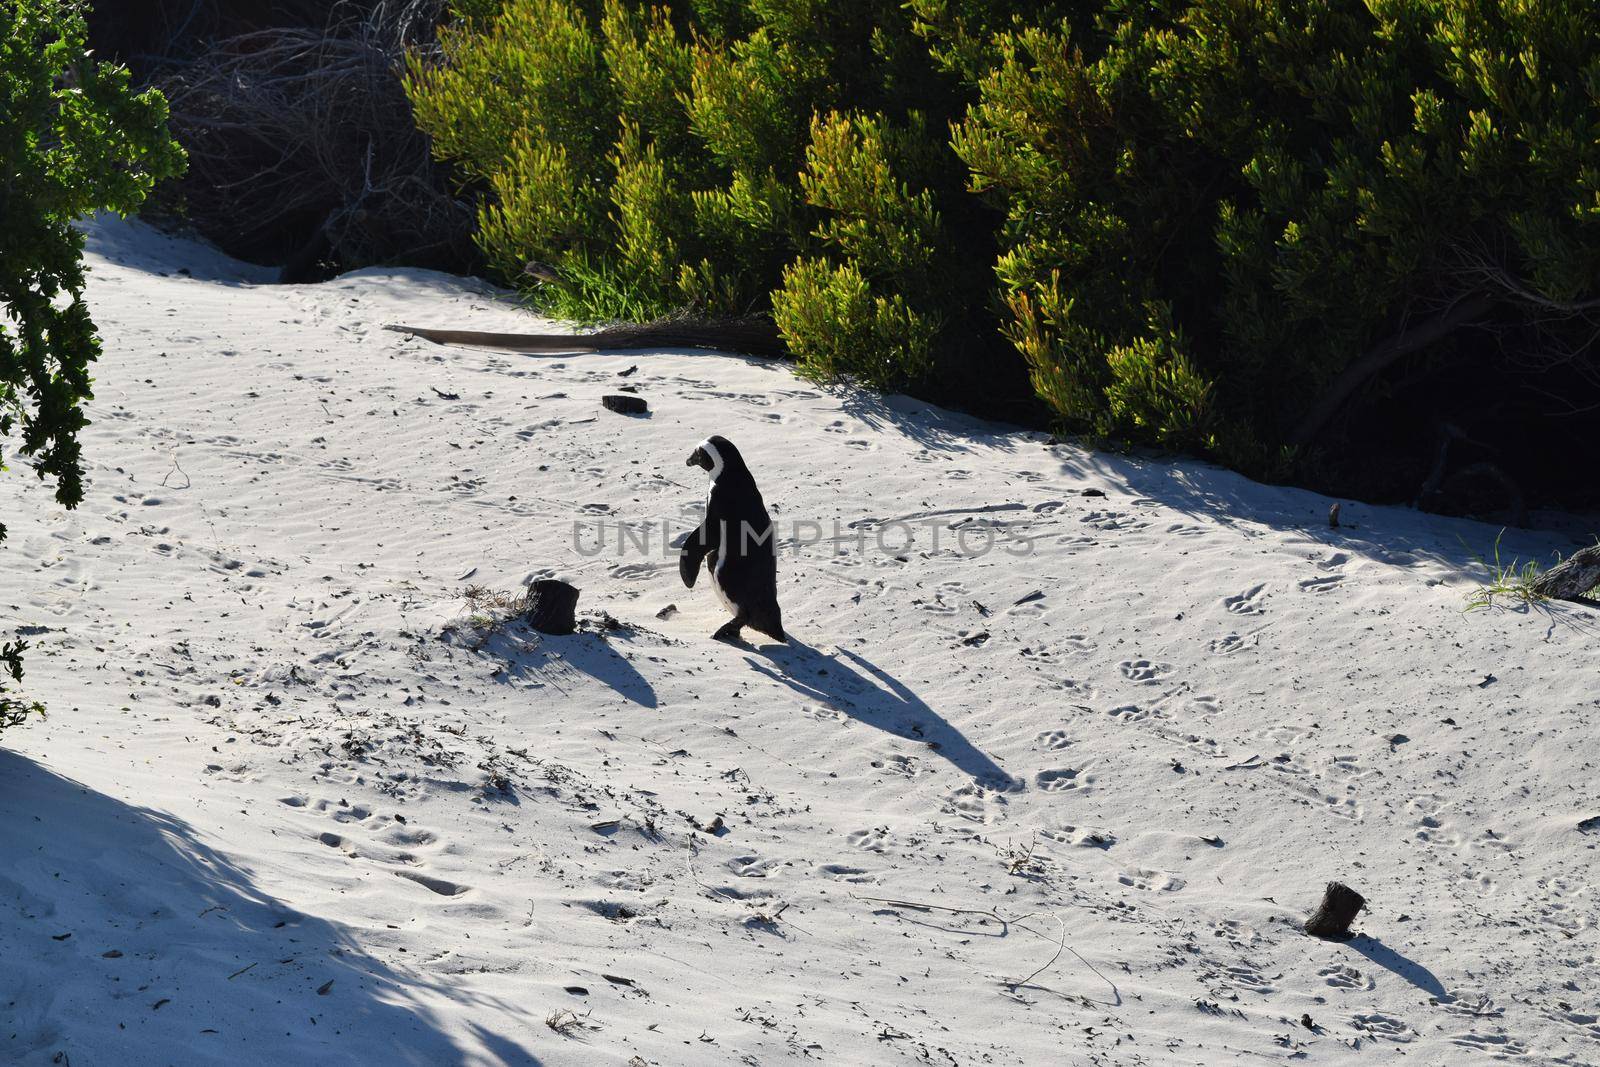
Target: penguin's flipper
689,563
700,543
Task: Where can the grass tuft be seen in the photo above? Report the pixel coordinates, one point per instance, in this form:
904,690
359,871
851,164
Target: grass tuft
590,295
1514,580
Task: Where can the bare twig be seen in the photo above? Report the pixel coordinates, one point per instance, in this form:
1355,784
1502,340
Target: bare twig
307,132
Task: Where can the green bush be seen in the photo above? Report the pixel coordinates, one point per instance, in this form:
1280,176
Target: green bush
718,157
1199,224
1299,190
74,139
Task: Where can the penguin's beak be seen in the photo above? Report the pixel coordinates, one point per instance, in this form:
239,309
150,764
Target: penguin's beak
699,459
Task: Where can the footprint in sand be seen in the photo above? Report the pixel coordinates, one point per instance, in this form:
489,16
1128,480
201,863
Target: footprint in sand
873,840
906,766
822,713
1386,1027
1075,687
1322,584
1053,739
1147,879
1113,521
1227,646
843,872
1076,643
1131,713
1341,976
1061,779
1143,670
1248,978
1495,1044
751,866
1247,602
1081,836
975,803
435,885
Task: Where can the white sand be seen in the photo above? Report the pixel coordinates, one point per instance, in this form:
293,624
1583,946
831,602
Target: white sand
267,767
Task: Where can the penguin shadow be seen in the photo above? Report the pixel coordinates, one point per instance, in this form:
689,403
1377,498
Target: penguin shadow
871,695
527,654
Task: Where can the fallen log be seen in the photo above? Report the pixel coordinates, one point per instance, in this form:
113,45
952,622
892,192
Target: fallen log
1574,578
753,335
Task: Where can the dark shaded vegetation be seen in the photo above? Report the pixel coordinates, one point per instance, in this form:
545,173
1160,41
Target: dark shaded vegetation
303,151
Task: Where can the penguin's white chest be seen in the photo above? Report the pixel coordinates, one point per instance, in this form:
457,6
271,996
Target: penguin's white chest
716,584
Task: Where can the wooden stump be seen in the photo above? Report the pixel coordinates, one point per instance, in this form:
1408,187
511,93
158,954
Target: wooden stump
623,404
1339,907
1573,577
551,605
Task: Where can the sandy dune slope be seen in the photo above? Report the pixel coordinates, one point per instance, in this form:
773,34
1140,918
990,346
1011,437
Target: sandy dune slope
1063,801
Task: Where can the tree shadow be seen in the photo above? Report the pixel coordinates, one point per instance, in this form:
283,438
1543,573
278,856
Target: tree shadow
875,697
527,654
934,428
1391,534
128,939
1390,960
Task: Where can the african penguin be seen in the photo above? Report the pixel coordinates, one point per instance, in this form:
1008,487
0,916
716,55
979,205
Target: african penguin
735,540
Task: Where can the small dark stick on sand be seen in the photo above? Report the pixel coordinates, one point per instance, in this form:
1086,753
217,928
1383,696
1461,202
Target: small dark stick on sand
1333,515
1339,908
551,606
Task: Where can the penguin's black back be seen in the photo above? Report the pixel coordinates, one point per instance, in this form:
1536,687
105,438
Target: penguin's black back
746,564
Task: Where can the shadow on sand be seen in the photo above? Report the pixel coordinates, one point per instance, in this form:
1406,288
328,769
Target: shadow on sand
1390,960
527,654
869,694
128,939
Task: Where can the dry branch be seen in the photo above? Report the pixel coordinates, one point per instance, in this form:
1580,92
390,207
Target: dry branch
1574,578
303,149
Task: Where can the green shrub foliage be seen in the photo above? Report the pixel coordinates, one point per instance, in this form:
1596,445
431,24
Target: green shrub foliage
1292,185
718,156
73,139
1199,224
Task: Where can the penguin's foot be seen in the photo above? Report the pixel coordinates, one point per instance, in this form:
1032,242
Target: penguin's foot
730,632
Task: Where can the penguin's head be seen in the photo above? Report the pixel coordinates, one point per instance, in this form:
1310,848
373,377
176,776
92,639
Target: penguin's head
714,454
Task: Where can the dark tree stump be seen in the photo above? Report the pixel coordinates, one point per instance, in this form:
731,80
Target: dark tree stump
1573,577
1339,908
623,404
551,605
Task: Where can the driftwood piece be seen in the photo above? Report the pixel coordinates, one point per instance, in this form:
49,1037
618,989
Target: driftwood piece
754,335
551,606
1339,907
623,404
1573,578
